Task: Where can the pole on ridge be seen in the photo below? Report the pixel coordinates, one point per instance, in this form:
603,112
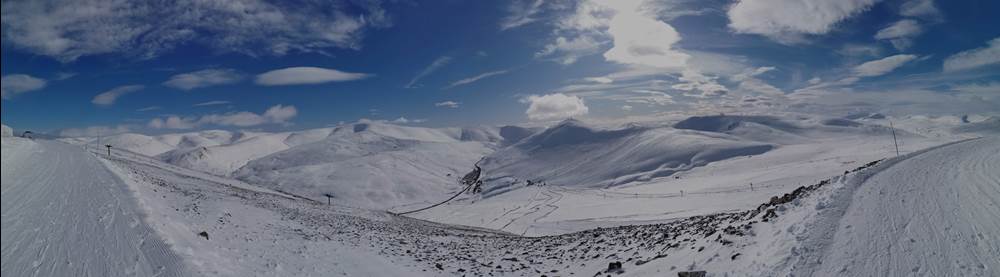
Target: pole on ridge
894,137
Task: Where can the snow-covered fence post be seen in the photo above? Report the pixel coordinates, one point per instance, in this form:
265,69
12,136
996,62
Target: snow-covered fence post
328,197
894,138
109,149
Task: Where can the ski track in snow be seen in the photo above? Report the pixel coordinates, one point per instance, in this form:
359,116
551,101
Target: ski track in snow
65,214
932,214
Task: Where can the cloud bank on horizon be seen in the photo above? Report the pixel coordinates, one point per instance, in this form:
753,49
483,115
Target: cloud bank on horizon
96,67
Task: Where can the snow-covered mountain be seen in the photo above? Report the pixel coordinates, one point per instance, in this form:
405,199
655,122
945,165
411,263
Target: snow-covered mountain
896,216
380,165
375,165
576,155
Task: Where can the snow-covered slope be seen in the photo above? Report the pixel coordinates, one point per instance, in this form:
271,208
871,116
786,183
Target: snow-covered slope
989,126
907,216
576,155
226,158
375,165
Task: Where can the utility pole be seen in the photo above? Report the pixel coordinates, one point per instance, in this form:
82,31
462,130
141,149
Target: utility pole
894,137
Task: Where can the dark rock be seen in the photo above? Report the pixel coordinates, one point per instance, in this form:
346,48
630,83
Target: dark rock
691,274
203,234
615,267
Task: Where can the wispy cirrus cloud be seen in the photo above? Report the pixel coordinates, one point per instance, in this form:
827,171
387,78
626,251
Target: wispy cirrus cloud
109,98
476,78
15,84
901,33
974,58
68,29
211,103
448,104
431,68
882,66
203,78
150,108
521,13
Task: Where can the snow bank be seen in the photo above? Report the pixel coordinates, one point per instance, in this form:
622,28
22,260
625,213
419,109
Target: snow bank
6,131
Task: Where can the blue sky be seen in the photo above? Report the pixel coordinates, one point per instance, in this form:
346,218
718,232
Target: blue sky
99,67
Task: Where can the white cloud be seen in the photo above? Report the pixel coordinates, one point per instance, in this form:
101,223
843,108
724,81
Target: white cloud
759,86
645,96
860,50
211,103
448,104
203,78
554,106
568,50
278,114
636,35
62,76
787,20
172,122
748,81
12,85
981,91
150,108
753,73
920,8
901,33
640,39
600,80
95,131
882,66
306,76
975,58
705,86
473,79
521,13
69,29
404,120
434,66
108,98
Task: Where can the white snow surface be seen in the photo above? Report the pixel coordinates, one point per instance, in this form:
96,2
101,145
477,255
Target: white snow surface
6,131
65,214
928,212
934,214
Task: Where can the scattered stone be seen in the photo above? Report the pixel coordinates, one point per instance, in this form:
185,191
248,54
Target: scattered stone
691,274
203,234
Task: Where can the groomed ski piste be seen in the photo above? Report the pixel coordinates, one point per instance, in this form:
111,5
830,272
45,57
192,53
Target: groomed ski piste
72,212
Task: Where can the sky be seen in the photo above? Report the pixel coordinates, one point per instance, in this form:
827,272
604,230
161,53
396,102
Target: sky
98,67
